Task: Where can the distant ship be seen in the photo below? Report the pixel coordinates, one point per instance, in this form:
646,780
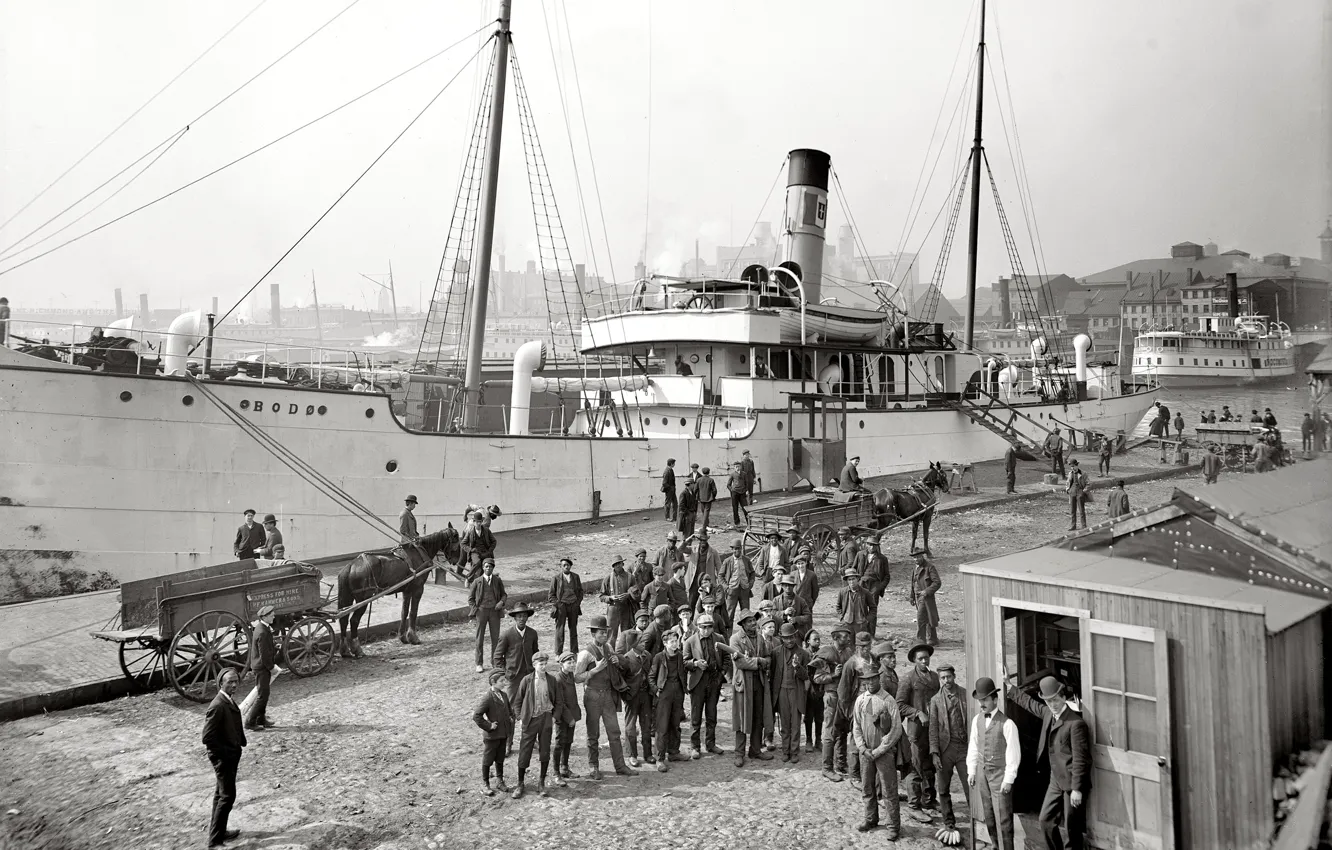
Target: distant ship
1227,352
142,464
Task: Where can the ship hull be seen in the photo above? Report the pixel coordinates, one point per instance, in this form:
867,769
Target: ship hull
140,476
1184,379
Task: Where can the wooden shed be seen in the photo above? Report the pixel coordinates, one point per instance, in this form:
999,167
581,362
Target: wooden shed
1193,685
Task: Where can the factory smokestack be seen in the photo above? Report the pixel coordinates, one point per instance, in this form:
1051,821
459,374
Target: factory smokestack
806,215
275,306
1005,303
120,304
1232,293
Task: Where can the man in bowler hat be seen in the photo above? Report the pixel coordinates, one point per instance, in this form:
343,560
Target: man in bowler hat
993,757
1063,753
224,738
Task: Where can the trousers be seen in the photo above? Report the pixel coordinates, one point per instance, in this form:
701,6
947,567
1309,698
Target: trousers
878,779
639,723
738,506
920,782
814,718
1011,481
704,514
536,733
996,807
927,620
737,598
1057,463
670,711
618,617
599,710
1077,507
564,735
1103,465
1063,824
834,738
672,506
703,707
492,754
263,680
486,618
566,616
791,707
224,795
953,760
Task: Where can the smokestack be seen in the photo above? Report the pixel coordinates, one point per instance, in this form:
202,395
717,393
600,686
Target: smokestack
1232,293
276,306
120,304
143,308
1005,304
806,215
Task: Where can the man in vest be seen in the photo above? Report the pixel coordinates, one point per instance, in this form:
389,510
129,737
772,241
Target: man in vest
486,599
993,756
566,600
737,578
600,701
875,730
616,592
948,741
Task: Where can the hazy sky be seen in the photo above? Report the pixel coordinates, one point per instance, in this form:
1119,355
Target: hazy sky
1142,122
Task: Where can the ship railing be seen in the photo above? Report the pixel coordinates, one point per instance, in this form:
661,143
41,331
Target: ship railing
666,292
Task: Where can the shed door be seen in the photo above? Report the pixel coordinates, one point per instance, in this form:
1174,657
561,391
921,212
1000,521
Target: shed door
1126,696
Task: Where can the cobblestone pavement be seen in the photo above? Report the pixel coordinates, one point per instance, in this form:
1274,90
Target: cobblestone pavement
381,754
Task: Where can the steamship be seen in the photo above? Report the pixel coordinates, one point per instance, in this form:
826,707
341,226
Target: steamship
145,468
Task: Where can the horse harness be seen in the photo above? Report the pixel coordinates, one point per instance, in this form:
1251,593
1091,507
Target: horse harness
403,553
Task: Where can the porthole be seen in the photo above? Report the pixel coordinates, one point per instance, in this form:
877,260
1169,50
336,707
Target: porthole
665,421
187,400
708,358
322,410
726,423
683,422
646,422
245,404
862,424
693,358
126,395
779,425
742,357
391,466
369,413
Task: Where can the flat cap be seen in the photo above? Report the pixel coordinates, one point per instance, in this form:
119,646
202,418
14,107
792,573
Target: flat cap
864,639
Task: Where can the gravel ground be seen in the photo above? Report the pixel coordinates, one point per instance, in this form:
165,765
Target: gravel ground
381,753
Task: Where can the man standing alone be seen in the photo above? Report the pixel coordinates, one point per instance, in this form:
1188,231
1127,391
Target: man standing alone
707,494
486,599
1077,496
1117,505
924,584
263,655
668,490
224,738
1054,448
751,476
249,537
566,599
407,521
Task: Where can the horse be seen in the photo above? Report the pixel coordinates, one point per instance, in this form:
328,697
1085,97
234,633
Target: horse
916,502
370,573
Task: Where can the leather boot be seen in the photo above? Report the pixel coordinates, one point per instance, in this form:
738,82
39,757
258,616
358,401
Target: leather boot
595,773
519,791
739,749
541,788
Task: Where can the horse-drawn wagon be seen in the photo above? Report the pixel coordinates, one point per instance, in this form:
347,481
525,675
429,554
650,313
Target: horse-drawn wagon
190,626
1237,442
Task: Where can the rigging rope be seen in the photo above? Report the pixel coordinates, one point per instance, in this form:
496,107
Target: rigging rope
241,158
935,290
131,117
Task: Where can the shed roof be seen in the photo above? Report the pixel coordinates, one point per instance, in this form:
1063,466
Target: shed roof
1321,364
1096,571
1290,506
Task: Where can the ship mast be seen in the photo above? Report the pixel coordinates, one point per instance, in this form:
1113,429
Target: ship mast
977,151
485,235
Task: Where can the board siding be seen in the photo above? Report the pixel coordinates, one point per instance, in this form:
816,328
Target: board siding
1221,769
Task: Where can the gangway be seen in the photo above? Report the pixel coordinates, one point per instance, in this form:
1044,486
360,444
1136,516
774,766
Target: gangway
993,413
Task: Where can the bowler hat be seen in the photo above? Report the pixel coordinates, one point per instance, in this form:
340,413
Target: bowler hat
411,500
1050,687
984,688
598,623
787,630
742,615
737,543
864,639
269,518
523,608
925,647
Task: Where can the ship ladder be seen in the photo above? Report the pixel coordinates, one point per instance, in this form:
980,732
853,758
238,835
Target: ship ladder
1001,418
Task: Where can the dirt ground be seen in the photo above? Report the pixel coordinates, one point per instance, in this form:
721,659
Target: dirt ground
381,753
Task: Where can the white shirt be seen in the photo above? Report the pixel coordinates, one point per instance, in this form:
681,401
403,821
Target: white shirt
1012,751
774,555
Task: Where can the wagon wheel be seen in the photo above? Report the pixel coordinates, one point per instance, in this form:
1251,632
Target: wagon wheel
142,661
205,646
1236,456
1218,448
308,646
821,541
752,544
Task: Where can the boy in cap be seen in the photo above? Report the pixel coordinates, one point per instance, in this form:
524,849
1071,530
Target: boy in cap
751,698
703,561
637,694
539,700
617,593
793,609
993,757
790,678
596,671
566,600
847,688
918,686
494,717
684,623
668,490
853,603
566,718
876,728
704,659
707,604
668,683
737,578
948,740
263,657
827,675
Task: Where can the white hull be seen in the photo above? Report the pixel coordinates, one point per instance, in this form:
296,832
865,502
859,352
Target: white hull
149,485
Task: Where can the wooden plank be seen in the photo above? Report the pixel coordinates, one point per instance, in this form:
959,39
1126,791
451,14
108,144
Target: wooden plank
123,635
1043,608
1123,761
1302,828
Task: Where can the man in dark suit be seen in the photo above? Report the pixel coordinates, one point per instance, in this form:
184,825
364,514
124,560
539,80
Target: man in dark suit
224,737
486,600
705,660
707,494
667,678
513,654
1064,755
668,490
850,481
494,716
263,656
566,601
249,537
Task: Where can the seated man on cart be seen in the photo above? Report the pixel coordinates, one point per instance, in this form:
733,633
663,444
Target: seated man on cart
851,481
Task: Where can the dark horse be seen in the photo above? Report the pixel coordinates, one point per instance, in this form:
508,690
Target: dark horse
916,502
369,573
